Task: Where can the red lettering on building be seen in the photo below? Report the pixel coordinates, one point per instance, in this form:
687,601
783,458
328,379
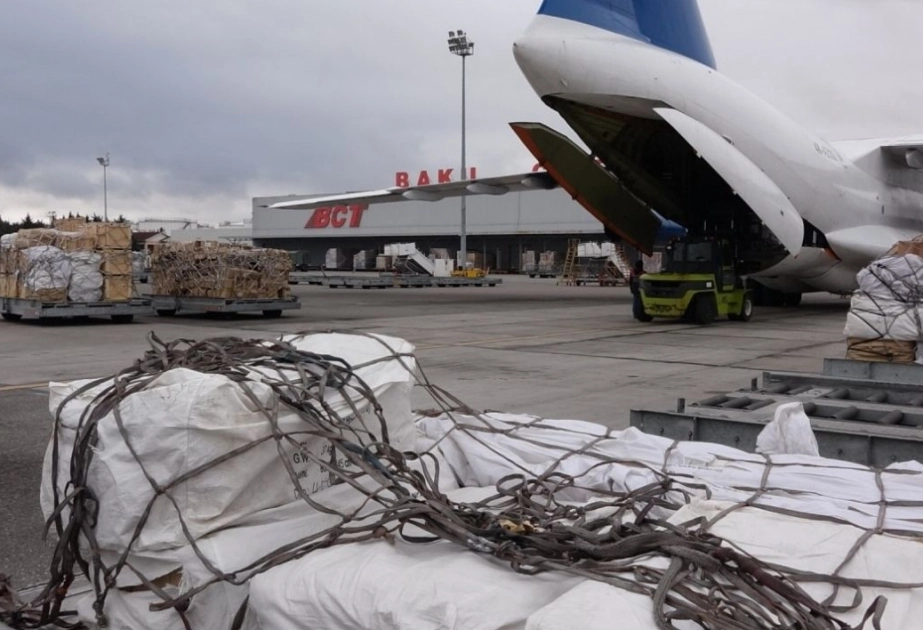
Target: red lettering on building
336,217
320,219
355,218
402,179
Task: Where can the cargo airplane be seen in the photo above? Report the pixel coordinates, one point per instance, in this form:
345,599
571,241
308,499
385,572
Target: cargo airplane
673,139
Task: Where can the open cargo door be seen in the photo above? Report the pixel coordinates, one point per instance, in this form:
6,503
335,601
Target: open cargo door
754,186
591,185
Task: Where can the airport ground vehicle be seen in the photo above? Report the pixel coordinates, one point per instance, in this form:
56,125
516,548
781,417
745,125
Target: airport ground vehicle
699,282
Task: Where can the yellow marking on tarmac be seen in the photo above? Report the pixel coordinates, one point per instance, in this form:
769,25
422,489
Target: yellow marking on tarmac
15,388
509,339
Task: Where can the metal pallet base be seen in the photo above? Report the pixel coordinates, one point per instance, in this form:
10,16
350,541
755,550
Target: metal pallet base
222,305
34,309
861,412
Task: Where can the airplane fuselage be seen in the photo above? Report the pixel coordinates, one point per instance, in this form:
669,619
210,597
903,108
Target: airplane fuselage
590,75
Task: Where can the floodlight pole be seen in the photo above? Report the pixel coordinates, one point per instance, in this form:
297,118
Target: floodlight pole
461,46
104,162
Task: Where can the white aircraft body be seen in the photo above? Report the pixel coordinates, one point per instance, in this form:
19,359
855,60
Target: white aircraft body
672,139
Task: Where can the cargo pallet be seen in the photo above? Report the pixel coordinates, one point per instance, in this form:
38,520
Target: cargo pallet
14,309
168,305
306,278
408,281
355,282
866,413
467,282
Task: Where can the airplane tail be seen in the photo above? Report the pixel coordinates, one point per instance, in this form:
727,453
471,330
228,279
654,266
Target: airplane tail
671,24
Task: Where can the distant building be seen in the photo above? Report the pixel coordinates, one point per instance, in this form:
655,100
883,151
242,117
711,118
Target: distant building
500,228
166,225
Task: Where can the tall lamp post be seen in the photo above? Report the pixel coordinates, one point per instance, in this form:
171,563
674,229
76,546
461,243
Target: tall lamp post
461,46
104,162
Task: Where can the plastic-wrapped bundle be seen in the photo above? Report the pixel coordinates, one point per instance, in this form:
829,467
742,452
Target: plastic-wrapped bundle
885,319
47,272
86,281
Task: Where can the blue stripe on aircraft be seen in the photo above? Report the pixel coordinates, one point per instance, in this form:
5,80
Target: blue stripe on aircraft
672,24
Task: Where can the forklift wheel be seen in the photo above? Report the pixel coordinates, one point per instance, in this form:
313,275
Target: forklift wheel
704,310
644,317
746,310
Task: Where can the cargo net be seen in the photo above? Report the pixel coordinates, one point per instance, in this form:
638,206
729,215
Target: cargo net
576,513
219,270
885,321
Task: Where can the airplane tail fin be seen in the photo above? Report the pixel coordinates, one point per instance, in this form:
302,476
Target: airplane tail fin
671,24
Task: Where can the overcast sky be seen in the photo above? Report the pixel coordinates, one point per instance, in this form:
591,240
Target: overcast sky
203,105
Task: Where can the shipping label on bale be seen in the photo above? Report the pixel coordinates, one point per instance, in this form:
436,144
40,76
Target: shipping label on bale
311,474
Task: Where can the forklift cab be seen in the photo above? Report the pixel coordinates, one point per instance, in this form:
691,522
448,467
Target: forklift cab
710,257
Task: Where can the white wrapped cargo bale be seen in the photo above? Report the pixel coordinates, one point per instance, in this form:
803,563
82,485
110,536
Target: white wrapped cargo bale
47,273
889,303
185,419
783,539
898,278
809,485
879,318
86,281
402,586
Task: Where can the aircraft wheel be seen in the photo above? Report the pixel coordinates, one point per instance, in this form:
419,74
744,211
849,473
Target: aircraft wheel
704,310
746,310
791,299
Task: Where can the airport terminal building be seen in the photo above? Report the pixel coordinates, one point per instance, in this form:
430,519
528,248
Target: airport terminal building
500,227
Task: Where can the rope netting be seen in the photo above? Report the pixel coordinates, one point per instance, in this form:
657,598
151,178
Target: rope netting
530,520
212,269
885,318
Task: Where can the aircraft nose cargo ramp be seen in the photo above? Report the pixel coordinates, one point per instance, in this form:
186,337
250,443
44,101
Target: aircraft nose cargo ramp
867,413
287,483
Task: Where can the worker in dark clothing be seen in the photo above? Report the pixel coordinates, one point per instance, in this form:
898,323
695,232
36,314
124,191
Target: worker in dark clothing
634,284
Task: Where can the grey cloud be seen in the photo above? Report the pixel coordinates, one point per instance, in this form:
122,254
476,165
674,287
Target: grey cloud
197,99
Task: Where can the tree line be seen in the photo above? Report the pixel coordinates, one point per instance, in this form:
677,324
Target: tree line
10,227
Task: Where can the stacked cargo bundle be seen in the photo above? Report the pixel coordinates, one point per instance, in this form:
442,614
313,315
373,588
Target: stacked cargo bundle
220,270
549,263
85,262
478,260
365,260
528,264
885,320
339,258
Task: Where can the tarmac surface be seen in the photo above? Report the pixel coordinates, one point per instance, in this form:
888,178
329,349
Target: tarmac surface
526,346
